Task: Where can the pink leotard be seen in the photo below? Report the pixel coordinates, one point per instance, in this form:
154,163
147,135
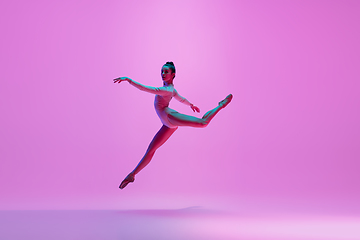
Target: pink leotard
162,99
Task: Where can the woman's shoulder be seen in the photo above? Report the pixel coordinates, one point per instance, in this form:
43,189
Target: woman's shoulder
173,90
170,88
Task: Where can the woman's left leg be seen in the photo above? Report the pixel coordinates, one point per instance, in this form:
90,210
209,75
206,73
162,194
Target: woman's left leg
159,139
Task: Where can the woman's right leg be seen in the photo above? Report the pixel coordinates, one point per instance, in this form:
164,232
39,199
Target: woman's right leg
159,139
179,119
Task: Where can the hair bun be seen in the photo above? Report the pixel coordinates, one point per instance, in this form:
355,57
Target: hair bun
171,66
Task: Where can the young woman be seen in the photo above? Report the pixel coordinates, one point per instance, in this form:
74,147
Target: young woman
170,118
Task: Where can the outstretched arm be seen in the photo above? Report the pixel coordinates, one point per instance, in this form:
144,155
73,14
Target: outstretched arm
183,100
154,90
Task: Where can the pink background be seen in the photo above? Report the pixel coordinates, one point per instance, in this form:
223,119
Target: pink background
69,135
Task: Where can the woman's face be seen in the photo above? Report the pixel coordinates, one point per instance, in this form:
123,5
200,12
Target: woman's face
166,74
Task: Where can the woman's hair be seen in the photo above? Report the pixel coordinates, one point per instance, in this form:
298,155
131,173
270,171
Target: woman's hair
171,66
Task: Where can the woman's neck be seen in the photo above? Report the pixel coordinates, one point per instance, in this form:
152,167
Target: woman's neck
168,84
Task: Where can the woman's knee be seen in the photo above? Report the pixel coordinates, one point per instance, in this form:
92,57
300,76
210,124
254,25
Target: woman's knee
203,123
150,151
152,148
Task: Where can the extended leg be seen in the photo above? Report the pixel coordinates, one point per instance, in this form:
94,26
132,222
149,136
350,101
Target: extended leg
160,138
190,121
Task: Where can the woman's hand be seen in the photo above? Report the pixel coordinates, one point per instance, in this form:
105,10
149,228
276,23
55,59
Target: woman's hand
195,108
121,79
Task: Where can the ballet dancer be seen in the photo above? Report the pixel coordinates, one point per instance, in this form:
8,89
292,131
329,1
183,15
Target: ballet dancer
170,118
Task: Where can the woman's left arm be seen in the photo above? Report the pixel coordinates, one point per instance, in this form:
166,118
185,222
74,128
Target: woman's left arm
183,100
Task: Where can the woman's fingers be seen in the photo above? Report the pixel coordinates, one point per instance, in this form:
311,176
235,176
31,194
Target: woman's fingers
195,109
118,80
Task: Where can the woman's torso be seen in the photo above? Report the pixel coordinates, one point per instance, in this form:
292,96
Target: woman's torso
162,101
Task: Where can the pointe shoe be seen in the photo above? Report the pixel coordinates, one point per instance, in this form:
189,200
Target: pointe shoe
226,101
129,178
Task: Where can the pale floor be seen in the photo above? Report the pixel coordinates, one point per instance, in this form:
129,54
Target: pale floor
175,224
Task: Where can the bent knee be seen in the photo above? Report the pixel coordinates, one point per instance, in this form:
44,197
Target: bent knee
203,123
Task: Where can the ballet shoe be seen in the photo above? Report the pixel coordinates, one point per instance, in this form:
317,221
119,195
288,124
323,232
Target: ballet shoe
129,178
226,101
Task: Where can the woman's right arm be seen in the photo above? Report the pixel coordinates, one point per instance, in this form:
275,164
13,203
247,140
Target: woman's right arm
183,100
154,90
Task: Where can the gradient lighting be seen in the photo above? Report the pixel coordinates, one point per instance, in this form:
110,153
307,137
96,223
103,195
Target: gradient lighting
288,228
291,134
